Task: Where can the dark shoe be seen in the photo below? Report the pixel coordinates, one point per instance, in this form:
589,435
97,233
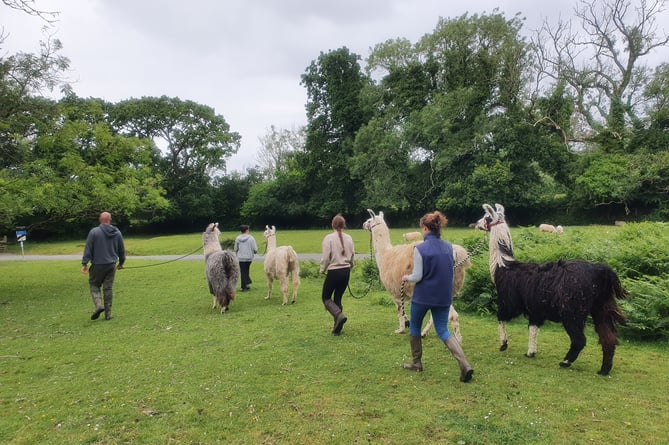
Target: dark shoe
97,313
246,289
108,317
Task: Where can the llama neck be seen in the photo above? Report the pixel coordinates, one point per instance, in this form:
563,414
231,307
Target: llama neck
381,239
212,246
271,242
498,258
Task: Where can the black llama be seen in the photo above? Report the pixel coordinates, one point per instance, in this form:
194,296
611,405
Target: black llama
564,291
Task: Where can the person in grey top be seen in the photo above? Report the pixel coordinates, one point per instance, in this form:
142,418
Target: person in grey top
106,253
245,248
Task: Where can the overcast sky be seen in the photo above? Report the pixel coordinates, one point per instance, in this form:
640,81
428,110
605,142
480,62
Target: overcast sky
244,58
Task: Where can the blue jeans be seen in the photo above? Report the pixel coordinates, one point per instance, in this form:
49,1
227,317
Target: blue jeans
439,316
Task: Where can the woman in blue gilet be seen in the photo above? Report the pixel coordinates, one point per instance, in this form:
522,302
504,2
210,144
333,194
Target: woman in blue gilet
433,275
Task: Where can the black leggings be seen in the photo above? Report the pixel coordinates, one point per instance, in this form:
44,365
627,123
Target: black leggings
335,284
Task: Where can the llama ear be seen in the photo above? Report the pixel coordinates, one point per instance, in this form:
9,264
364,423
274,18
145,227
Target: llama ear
488,210
500,208
381,214
371,213
273,229
266,227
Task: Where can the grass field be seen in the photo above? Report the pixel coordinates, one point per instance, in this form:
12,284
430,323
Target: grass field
168,369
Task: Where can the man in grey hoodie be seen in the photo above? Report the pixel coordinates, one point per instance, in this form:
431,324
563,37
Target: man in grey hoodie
245,248
104,249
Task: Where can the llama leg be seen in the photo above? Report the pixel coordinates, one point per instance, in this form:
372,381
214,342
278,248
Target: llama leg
427,327
501,330
607,338
454,322
270,283
296,284
607,359
214,302
284,289
223,301
532,341
578,340
402,319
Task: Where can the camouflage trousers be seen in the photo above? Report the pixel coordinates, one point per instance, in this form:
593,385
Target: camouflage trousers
102,276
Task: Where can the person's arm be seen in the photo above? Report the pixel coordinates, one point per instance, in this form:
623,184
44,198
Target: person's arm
121,252
325,257
88,253
417,273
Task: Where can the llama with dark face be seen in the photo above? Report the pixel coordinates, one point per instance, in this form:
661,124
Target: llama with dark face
221,268
564,291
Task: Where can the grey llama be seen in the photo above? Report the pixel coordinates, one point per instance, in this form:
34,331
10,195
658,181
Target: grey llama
221,268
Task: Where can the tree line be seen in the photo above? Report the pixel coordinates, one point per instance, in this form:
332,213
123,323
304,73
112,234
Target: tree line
557,125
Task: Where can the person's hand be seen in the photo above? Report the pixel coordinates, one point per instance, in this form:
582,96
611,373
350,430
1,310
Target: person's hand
405,277
84,269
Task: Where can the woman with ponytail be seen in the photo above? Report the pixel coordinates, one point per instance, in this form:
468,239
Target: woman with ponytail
336,263
433,274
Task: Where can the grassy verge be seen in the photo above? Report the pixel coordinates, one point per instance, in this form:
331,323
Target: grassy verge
168,369
304,241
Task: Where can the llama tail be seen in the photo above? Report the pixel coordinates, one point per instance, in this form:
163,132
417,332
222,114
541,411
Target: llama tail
607,314
292,260
229,263
617,293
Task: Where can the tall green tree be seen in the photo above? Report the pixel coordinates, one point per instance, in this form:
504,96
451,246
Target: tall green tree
196,144
334,83
450,128
76,166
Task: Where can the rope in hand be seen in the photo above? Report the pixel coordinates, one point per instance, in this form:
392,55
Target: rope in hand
164,262
371,279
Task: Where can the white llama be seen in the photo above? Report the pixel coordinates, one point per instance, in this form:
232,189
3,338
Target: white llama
280,262
396,261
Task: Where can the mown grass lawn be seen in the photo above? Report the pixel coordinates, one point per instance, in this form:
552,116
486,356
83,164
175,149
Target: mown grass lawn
168,369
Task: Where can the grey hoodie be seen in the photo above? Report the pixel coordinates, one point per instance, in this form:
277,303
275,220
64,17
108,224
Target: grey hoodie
104,245
245,247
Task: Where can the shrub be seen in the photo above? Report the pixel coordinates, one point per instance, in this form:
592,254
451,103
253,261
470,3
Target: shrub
636,252
647,310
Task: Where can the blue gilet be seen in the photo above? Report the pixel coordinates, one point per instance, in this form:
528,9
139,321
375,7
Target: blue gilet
436,286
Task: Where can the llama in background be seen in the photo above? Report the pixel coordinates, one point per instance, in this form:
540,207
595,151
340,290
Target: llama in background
412,236
280,263
221,268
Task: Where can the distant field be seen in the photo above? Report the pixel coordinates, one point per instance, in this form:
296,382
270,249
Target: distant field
304,241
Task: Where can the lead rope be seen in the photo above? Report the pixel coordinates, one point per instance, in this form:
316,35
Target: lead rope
164,262
370,283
